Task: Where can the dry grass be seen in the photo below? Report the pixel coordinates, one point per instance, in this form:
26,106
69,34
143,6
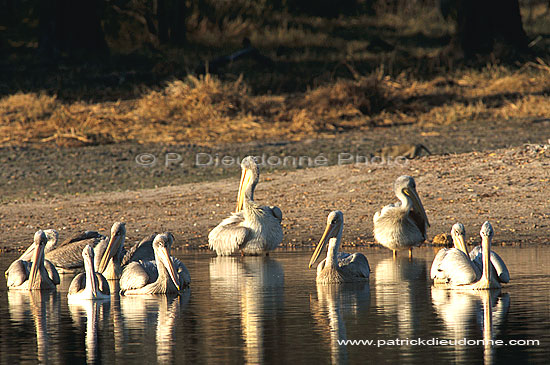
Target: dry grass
207,110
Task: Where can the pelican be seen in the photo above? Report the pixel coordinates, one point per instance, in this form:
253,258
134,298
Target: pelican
17,268
498,267
452,265
26,276
488,279
115,258
67,257
338,267
403,224
253,229
163,276
89,284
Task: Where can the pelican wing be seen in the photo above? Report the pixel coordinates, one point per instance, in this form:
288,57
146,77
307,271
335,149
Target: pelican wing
138,274
69,256
277,213
140,251
453,267
183,274
356,263
229,235
103,283
78,283
499,266
52,272
82,236
18,272
419,221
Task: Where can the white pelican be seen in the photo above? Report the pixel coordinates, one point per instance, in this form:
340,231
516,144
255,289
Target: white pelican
33,276
163,276
338,267
452,266
115,258
488,279
19,268
402,225
67,256
253,229
89,284
498,267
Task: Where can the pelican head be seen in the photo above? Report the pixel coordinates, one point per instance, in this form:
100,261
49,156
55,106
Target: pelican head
250,174
40,241
118,234
487,230
458,232
161,245
335,224
406,186
52,236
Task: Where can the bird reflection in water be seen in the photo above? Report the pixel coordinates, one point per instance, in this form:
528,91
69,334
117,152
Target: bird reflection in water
467,313
43,307
141,312
400,283
333,302
251,288
92,312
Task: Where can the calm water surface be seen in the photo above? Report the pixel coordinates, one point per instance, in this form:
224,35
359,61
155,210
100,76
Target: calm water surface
258,310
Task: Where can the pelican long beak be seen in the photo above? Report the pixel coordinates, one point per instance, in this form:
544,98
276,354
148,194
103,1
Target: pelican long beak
246,179
90,273
329,230
486,256
417,203
164,256
37,259
108,254
459,243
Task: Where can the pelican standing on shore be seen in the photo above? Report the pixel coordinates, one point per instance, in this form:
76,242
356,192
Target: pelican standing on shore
402,225
338,267
89,285
25,275
452,266
165,275
253,229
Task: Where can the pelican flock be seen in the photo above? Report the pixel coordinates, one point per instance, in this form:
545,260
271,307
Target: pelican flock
338,267
402,225
148,267
252,229
89,284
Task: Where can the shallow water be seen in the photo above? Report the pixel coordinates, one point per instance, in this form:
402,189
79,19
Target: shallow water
257,310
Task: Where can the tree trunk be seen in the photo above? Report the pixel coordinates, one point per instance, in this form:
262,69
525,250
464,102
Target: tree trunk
480,24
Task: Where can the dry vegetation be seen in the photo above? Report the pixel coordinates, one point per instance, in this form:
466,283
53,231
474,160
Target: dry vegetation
329,63
207,110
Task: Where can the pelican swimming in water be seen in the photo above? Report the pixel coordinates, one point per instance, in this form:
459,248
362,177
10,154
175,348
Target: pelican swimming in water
33,276
338,267
402,225
488,279
90,284
51,236
253,229
498,267
452,266
114,258
165,275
